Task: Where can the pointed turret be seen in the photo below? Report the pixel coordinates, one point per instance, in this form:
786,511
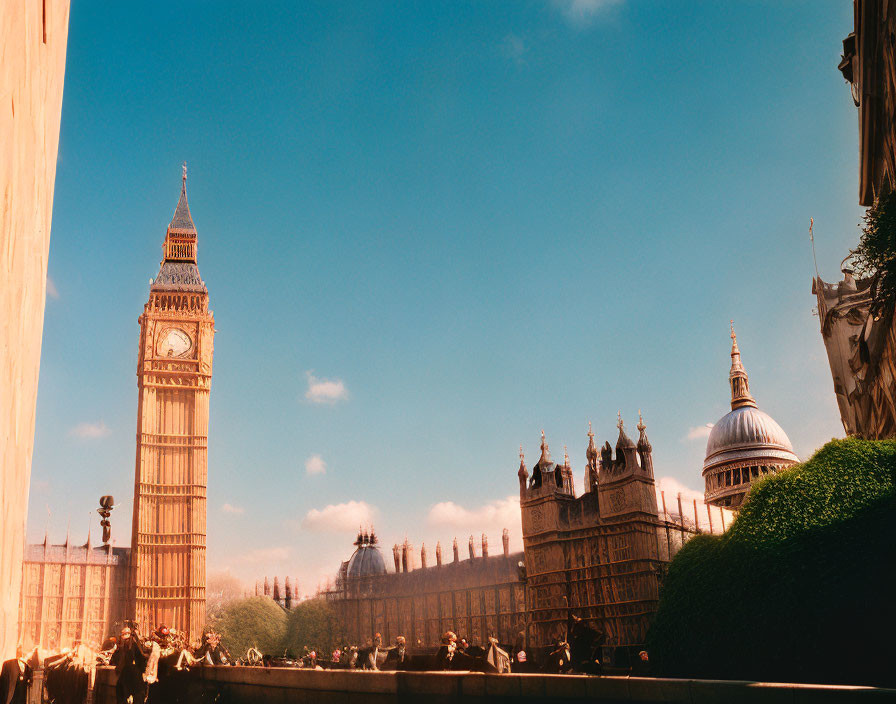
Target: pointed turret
645,450
523,473
643,442
623,441
545,452
439,553
738,379
592,455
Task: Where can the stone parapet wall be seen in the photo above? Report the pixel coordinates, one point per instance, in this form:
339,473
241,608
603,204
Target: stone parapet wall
248,685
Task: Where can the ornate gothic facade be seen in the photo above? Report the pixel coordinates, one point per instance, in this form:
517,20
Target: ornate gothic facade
599,556
174,374
71,594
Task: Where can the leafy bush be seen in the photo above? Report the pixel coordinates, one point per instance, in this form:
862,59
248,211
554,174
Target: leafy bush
312,624
254,622
876,253
799,588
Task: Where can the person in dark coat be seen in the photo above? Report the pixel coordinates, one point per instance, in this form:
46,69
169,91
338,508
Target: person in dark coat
129,663
212,652
397,657
15,680
446,651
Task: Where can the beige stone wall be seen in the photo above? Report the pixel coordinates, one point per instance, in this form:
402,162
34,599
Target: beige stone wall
33,37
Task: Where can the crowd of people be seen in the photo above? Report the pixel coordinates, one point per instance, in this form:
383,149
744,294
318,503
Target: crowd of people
154,668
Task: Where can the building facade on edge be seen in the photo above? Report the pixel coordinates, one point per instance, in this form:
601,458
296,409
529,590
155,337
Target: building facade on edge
33,38
861,346
599,556
83,593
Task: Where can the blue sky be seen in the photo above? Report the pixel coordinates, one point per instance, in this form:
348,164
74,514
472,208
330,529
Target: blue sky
430,230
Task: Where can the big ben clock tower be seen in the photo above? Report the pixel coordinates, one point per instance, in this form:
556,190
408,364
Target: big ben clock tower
174,374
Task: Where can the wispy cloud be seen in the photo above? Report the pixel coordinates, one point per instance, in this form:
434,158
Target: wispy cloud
582,12
266,556
325,390
341,518
315,465
52,291
699,432
490,518
236,510
90,431
514,48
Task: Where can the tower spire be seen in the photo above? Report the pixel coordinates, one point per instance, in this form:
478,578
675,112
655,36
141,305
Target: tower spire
180,239
545,452
738,379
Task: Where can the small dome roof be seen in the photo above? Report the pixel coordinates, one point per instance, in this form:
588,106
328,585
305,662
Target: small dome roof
365,561
747,433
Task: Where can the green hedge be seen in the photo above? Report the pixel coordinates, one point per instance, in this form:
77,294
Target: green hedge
801,586
311,625
256,622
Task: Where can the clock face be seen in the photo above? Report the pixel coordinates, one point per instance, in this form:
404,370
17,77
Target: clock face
174,343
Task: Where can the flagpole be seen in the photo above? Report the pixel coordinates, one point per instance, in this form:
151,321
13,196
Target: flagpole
812,240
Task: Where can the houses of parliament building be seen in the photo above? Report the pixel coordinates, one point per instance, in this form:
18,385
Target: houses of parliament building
600,556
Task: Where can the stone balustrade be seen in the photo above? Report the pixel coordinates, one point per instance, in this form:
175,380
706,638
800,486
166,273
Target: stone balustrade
248,685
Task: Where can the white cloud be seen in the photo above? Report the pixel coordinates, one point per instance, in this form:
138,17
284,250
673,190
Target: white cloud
265,555
345,517
315,465
236,510
671,488
491,518
52,291
325,390
582,12
90,431
699,432
514,48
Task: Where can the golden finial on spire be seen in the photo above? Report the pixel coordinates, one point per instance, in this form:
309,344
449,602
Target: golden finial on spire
185,172
740,384
619,423
565,457
590,432
734,349
522,456
641,425
545,453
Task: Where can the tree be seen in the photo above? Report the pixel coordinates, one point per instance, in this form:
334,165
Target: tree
254,622
221,589
876,254
312,624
